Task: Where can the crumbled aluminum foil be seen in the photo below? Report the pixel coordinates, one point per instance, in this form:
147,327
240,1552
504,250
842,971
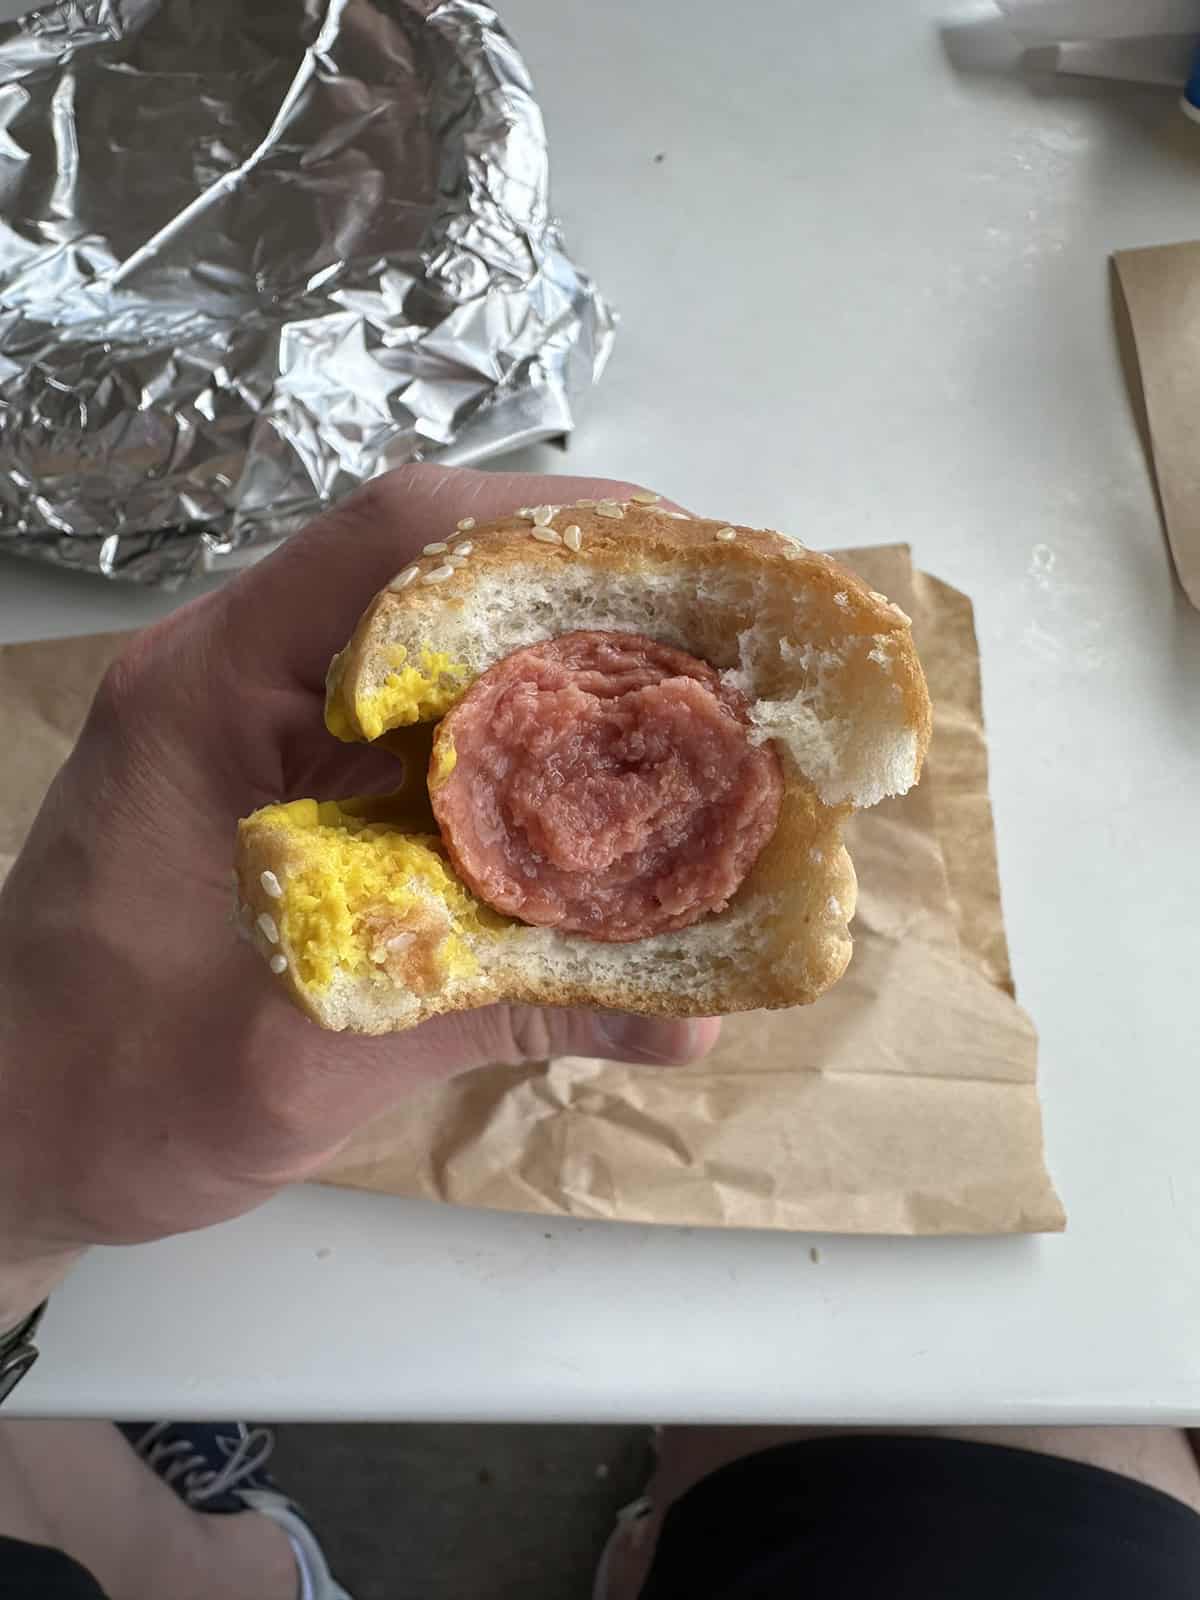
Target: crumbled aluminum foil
253,252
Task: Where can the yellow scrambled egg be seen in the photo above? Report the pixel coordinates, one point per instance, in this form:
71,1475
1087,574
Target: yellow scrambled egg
410,693
352,881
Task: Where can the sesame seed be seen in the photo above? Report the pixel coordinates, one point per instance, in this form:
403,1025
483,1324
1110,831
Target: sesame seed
816,857
585,502
457,562
726,534
834,906
546,535
903,615
272,885
841,599
645,497
543,516
609,508
403,579
463,549
278,964
465,524
268,927
573,537
439,574
680,516
882,598
438,549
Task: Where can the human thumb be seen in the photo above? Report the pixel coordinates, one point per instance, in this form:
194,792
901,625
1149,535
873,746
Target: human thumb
389,1067
515,1034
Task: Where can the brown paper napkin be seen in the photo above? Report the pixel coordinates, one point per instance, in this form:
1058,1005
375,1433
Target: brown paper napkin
1161,289
905,1101
45,690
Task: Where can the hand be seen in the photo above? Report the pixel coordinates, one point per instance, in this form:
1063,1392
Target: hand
152,1078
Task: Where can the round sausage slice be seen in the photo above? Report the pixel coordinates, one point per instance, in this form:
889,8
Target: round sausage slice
605,785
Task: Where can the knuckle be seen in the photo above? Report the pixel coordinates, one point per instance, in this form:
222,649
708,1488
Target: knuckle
538,1033
530,1033
123,684
363,507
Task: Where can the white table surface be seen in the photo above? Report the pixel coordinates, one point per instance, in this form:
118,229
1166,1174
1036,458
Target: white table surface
865,297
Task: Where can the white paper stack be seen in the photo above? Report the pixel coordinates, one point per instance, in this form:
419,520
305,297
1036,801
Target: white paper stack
1137,41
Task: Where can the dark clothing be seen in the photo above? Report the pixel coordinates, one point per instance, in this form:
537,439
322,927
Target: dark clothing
874,1518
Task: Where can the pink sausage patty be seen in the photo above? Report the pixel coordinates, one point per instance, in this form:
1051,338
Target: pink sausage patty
605,785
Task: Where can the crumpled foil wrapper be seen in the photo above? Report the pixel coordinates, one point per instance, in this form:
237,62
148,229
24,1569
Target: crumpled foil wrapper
253,252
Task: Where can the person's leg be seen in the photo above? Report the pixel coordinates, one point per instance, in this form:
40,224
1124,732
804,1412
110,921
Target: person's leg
78,1487
1162,1458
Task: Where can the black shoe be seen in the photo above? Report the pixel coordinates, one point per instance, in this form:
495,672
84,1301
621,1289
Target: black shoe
221,1468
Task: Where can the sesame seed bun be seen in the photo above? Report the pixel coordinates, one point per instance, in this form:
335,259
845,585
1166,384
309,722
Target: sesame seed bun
832,680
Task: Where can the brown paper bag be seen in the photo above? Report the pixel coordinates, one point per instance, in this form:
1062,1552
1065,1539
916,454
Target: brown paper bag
905,1101
1161,290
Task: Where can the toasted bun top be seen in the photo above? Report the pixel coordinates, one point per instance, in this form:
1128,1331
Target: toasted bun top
828,666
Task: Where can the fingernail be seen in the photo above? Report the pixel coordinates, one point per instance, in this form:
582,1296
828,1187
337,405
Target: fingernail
660,1041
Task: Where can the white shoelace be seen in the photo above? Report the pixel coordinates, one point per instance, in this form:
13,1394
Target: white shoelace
181,1466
